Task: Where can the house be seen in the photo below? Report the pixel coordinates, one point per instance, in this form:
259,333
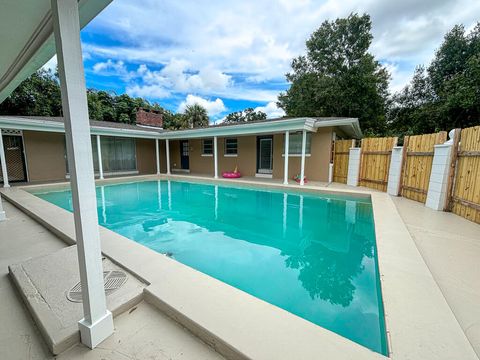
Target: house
35,147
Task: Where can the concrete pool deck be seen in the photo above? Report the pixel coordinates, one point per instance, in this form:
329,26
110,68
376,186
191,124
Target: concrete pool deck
419,320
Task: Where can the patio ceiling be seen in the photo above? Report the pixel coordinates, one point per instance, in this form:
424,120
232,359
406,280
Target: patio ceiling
26,37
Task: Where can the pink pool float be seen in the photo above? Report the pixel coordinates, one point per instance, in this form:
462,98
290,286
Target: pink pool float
235,174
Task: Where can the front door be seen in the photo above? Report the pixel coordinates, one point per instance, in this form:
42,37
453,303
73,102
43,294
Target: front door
264,154
13,147
184,155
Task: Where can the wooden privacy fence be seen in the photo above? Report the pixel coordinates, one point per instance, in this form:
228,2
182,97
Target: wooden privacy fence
340,160
417,164
465,200
375,162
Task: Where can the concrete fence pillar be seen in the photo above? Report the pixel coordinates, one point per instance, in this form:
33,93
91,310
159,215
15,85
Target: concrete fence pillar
354,166
395,172
437,186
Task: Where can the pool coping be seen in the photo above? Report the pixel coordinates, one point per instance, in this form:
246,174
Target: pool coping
419,322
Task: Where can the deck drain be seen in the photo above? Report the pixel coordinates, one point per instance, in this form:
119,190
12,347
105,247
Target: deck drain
112,280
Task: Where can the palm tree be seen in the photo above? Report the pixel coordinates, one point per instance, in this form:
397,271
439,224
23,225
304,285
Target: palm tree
196,116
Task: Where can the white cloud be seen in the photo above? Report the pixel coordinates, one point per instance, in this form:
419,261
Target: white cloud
213,44
272,110
147,91
213,108
51,64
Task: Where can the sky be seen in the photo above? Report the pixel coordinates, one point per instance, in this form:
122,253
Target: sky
228,55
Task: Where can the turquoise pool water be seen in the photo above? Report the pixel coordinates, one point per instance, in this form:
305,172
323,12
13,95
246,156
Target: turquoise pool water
312,255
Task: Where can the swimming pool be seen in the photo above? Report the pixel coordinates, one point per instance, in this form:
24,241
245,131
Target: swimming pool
313,255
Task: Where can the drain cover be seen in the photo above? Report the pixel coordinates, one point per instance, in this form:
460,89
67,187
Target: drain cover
112,280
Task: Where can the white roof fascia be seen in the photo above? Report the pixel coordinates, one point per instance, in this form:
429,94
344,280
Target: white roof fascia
350,122
266,127
54,126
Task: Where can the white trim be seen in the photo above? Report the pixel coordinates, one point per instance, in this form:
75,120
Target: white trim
206,155
302,162
285,165
230,155
297,155
267,176
215,158
3,163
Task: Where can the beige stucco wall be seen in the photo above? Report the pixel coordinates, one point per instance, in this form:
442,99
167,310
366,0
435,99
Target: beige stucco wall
316,165
146,156
45,155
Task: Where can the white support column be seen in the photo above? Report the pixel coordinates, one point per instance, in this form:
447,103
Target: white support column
286,153
395,171
437,186
302,166
97,323
167,149
157,154
99,153
215,156
3,162
354,166
3,216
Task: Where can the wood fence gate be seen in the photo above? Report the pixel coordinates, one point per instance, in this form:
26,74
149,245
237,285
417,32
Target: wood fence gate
375,162
465,200
417,164
340,160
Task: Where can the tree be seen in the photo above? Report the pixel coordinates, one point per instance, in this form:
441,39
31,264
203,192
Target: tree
37,95
249,114
196,116
339,77
446,94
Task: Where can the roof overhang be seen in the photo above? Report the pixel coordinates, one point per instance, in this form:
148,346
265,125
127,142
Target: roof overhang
11,122
26,35
264,127
349,126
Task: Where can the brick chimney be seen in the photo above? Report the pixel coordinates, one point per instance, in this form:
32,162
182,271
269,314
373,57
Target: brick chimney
149,118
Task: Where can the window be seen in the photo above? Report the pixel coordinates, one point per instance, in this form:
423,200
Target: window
207,147
118,154
295,144
231,146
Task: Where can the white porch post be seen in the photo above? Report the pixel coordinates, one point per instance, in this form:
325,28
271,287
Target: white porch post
97,323
302,166
215,156
99,153
4,162
157,153
286,153
167,149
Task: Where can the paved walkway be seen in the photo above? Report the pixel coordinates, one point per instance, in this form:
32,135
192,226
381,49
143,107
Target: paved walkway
142,333
450,246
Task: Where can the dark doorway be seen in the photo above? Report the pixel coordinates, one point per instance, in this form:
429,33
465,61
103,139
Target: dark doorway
184,155
15,159
264,154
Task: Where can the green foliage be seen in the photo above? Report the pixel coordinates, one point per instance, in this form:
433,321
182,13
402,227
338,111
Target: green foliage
38,95
339,77
249,114
196,116
446,95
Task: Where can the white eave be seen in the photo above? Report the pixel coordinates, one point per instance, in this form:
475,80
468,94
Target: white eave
264,127
11,122
26,35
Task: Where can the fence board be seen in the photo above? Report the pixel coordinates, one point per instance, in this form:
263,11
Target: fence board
417,164
340,161
375,162
466,193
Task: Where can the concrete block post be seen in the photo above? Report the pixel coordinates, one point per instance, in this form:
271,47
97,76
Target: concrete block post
395,172
354,166
437,186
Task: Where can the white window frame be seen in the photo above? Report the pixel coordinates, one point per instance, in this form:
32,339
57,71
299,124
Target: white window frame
225,147
292,142
203,147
